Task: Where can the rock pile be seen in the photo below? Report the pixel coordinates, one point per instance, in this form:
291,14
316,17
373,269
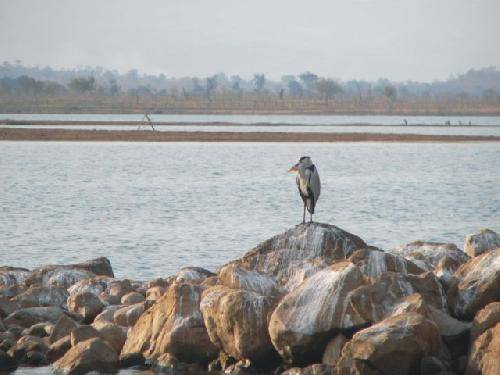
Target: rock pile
312,300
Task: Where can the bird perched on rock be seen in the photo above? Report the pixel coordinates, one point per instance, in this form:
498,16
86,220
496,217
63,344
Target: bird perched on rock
308,183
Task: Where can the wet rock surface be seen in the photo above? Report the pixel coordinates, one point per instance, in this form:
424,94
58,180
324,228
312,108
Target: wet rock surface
312,300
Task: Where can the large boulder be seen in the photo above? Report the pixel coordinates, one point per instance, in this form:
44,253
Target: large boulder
62,328
25,348
126,316
193,275
108,314
83,333
58,348
95,285
174,324
333,350
90,355
236,277
67,275
305,318
374,262
485,319
10,276
484,357
477,284
427,255
298,253
380,299
85,305
394,346
42,296
8,306
132,298
31,315
112,334
236,322
482,242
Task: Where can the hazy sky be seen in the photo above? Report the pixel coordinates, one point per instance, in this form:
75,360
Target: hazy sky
398,39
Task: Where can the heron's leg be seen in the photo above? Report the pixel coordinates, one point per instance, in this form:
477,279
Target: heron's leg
311,217
304,215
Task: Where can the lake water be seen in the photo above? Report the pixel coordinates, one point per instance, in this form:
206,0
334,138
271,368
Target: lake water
482,125
154,208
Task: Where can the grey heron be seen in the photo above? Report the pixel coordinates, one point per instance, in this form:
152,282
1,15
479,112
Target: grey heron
308,183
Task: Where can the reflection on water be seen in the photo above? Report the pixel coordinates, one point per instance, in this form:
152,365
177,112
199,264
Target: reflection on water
153,208
268,119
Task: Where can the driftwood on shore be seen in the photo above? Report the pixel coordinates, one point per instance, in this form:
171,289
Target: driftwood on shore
312,300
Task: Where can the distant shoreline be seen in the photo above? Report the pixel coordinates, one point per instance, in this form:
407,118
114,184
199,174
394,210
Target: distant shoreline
98,123
78,135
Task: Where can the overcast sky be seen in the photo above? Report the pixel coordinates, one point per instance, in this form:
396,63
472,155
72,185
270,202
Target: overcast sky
363,39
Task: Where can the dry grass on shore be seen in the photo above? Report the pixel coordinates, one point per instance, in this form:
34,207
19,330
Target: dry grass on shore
12,134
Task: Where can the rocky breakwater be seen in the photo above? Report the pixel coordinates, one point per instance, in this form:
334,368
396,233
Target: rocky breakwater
312,300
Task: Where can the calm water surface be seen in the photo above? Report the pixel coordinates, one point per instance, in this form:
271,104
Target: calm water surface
482,125
153,208
268,119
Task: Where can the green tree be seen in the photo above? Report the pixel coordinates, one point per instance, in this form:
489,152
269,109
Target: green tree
82,84
259,81
390,92
328,88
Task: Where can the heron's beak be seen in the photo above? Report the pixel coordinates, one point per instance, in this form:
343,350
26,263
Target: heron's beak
294,168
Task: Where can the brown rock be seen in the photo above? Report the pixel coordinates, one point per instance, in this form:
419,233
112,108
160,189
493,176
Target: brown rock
396,345
85,305
7,306
112,334
316,369
485,319
58,349
192,274
25,345
132,298
91,355
173,325
482,242
32,315
374,262
67,275
168,364
127,316
374,302
107,315
10,276
62,328
236,277
61,276
428,285
12,290
95,285
154,293
478,285
333,350
7,363
298,253
40,329
83,333
236,322
428,254
304,319
485,353
446,268
42,296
